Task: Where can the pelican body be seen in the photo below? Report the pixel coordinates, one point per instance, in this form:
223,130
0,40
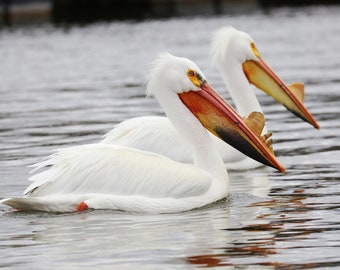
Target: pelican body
240,63
104,176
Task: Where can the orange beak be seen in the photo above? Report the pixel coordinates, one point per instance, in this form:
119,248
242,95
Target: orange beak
223,121
264,78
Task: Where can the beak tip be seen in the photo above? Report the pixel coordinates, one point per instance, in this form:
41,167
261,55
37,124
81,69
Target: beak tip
282,170
279,167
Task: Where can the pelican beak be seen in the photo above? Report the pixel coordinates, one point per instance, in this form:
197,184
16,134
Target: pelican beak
290,96
223,121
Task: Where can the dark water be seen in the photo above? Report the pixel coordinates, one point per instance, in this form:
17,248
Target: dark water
61,87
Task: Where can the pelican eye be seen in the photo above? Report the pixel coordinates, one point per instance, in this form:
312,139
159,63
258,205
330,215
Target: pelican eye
255,51
195,77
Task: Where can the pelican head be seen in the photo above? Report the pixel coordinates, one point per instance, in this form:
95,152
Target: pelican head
175,81
173,73
235,49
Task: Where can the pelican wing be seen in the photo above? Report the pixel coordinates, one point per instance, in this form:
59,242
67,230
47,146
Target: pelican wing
150,133
116,170
138,130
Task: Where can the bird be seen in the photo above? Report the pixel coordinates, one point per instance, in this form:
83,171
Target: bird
235,54
115,177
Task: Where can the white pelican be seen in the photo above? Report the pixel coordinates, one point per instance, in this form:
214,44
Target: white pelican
103,176
235,54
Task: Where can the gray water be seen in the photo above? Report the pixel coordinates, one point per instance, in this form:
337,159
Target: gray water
67,86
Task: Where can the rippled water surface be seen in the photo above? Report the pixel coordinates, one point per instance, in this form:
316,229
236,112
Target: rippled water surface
66,86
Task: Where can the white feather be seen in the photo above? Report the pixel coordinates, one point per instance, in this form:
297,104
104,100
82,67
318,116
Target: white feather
118,170
229,49
115,177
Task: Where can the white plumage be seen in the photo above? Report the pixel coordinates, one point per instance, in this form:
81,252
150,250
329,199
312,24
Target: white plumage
116,177
157,134
105,176
230,49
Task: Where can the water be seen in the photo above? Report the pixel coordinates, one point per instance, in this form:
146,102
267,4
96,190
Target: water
66,86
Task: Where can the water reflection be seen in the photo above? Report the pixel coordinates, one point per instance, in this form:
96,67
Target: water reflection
140,238
241,231
256,182
280,231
